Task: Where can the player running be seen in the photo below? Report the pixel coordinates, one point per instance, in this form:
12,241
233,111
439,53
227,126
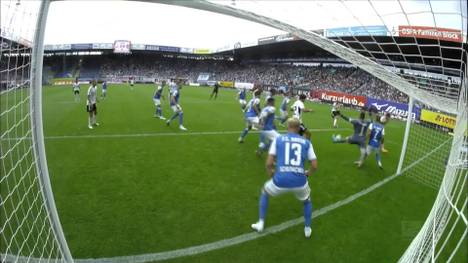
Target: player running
242,98
157,100
359,137
334,114
376,138
298,108
290,152
76,90
267,121
175,94
91,105
215,91
284,107
251,115
104,90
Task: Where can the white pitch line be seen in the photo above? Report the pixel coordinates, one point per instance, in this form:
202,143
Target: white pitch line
190,251
157,134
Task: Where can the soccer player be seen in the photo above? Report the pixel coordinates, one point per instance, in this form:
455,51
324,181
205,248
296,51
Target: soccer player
175,94
76,90
298,108
91,105
104,90
359,137
290,152
251,115
215,91
334,114
132,82
157,99
242,98
284,107
376,138
267,121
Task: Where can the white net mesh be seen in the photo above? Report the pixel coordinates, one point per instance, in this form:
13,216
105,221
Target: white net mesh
419,48
26,229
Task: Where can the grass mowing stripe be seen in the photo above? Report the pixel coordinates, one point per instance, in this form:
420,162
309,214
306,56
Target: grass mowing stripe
190,251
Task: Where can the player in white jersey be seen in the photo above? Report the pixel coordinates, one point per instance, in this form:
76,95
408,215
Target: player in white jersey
335,114
76,90
285,164
267,122
284,107
91,105
132,82
298,108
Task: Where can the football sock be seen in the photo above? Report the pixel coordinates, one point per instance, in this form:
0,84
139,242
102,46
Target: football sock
173,116
263,205
244,132
158,110
307,212
181,118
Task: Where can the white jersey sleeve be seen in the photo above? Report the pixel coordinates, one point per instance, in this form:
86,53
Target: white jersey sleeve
272,150
311,154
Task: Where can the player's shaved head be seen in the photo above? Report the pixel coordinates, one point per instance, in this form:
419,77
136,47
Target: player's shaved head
294,125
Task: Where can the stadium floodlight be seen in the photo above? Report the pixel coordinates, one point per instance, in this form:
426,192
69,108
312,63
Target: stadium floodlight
417,47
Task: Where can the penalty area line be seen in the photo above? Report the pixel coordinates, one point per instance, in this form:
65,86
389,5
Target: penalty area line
158,134
195,250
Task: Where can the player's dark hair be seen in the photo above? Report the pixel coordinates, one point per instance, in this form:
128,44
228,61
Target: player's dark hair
302,97
270,100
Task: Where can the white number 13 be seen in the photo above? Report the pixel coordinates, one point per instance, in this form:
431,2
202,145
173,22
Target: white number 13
296,151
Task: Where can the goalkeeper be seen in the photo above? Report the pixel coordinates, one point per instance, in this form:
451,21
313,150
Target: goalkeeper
360,131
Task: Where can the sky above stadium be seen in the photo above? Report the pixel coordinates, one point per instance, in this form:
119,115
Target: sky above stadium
148,23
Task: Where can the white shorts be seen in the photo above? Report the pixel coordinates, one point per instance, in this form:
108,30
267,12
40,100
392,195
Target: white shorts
243,102
157,102
252,120
371,149
270,135
176,108
104,91
283,114
302,193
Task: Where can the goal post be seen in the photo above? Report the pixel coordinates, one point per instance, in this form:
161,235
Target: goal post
30,229
38,131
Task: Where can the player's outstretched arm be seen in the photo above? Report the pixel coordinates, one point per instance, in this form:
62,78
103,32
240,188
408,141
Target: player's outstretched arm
344,117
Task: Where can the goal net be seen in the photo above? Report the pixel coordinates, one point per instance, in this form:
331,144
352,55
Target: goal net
419,49
29,226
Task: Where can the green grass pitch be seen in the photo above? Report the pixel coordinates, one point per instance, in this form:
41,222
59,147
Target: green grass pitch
161,189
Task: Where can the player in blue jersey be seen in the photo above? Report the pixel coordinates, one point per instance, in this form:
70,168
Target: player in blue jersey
284,107
376,138
104,90
359,136
243,98
175,95
157,99
290,152
251,113
267,122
